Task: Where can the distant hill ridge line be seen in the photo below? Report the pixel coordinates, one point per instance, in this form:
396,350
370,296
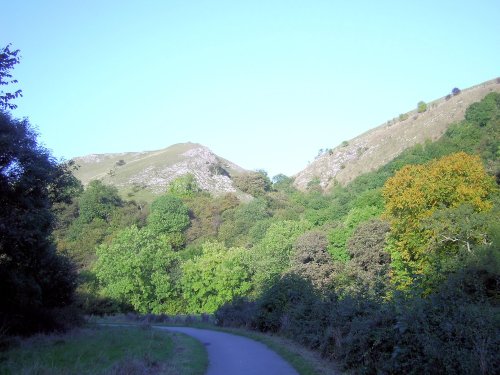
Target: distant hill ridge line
377,146
143,175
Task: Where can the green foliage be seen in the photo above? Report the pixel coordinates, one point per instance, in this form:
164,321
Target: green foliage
369,261
254,183
36,281
98,202
140,268
421,107
317,266
415,193
215,277
207,215
481,112
403,116
339,236
283,183
184,186
452,331
311,261
240,312
168,215
238,222
273,255
278,299
314,185
79,238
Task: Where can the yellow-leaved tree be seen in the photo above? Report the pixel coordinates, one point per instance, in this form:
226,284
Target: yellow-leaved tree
413,197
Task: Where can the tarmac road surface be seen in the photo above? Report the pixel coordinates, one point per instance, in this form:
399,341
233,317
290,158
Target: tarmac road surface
236,355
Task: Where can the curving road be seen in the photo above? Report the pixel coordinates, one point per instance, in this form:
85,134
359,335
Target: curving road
235,355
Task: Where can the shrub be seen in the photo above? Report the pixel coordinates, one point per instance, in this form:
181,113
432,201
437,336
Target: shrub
275,303
312,260
254,183
238,313
481,112
421,107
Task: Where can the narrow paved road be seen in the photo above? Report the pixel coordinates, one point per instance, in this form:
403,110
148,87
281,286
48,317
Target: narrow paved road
235,355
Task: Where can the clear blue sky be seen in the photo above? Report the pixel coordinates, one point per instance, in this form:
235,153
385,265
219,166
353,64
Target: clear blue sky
265,84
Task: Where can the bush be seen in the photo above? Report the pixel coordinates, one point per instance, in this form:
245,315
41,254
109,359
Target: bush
482,112
276,302
238,313
254,183
421,107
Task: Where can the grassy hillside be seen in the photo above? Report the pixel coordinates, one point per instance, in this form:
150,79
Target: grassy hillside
375,148
143,175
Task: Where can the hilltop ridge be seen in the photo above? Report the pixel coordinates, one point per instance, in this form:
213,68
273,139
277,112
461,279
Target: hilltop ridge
146,174
376,147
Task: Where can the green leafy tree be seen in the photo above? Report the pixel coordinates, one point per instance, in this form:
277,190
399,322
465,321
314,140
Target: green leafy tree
369,261
238,222
254,183
339,236
99,201
215,277
481,112
206,214
184,186
140,268
312,261
273,255
168,215
415,193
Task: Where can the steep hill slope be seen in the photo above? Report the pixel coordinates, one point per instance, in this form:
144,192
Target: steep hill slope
146,174
378,146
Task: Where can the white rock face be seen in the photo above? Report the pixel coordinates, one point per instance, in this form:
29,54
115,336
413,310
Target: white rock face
202,163
155,170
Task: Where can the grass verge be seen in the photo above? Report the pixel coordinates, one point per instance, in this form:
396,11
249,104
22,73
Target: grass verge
306,362
107,350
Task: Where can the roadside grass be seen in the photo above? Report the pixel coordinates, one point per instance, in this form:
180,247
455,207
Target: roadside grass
106,350
305,361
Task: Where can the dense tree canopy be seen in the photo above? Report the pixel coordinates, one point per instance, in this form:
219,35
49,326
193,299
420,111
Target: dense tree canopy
168,215
215,277
139,268
99,201
34,278
415,193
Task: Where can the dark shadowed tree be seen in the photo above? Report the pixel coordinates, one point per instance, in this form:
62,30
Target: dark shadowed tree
312,260
35,280
369,264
